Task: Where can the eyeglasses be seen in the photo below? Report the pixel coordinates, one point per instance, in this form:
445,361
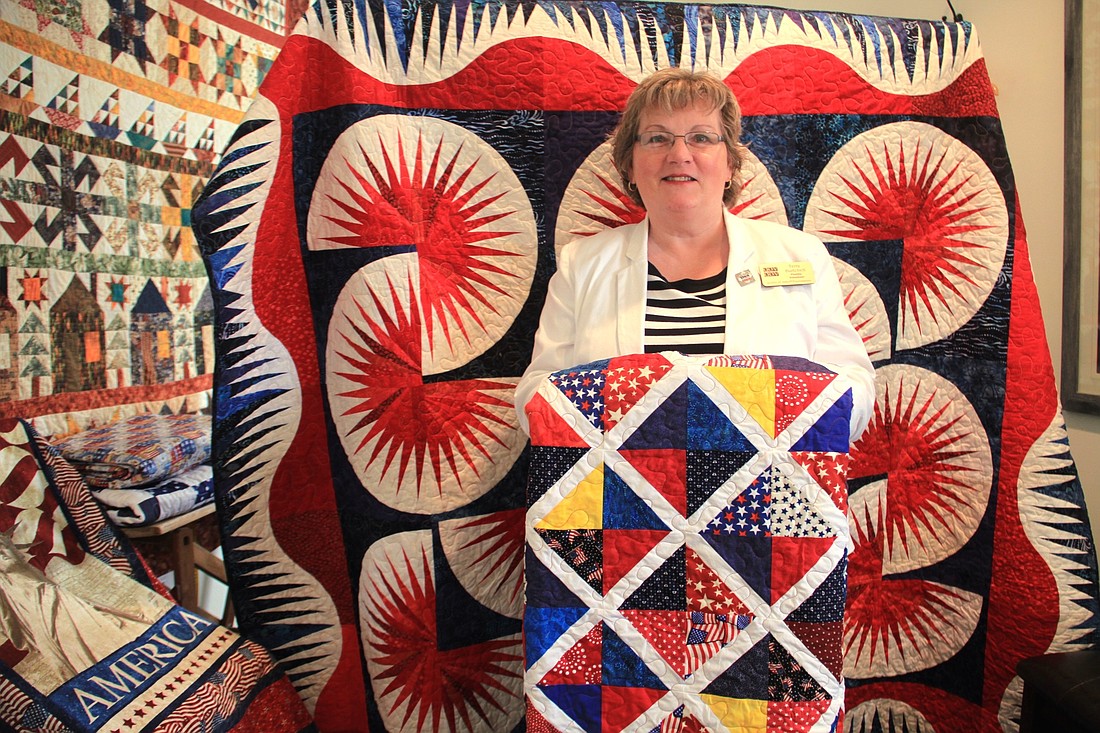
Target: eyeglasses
658,140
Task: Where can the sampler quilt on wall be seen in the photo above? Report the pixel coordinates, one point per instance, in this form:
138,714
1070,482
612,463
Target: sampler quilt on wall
112,117
380,233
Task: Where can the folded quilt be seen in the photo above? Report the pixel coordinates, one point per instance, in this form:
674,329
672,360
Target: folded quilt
138,451
142,505
687,545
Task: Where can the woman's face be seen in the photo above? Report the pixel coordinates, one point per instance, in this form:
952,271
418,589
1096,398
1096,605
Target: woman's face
681,179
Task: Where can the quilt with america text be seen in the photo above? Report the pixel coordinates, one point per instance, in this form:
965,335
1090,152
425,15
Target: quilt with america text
89,638
379,235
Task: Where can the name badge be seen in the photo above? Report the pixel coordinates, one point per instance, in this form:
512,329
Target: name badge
786,273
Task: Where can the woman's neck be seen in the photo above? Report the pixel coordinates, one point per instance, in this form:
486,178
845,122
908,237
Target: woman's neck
685,251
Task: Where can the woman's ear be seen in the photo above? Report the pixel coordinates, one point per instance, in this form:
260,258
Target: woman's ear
626,174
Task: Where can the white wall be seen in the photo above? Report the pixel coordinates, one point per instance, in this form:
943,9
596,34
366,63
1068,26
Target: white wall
1024,48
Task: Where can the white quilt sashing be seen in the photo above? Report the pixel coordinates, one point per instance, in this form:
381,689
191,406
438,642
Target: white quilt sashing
687,545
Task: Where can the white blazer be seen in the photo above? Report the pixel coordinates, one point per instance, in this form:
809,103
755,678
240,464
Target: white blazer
595,307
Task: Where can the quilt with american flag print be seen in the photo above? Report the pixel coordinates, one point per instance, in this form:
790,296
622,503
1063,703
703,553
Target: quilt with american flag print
91,640
687,545
380,232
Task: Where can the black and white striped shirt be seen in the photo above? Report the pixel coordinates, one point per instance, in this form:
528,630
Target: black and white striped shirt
687,315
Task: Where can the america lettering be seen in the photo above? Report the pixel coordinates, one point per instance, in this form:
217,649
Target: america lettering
103,689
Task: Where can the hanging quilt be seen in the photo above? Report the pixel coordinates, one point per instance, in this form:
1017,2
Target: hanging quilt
112,118
380,232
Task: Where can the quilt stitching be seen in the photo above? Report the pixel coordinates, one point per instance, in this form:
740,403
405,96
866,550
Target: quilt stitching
636,558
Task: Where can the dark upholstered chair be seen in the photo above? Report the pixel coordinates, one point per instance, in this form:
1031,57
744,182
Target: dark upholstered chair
1061,693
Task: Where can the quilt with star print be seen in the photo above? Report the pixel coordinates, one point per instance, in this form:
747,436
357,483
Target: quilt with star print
687,545
380,232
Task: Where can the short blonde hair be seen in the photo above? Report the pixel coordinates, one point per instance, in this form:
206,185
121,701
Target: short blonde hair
674,89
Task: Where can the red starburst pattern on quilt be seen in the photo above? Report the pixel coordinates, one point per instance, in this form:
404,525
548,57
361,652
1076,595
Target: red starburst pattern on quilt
423,686
912,182
486,129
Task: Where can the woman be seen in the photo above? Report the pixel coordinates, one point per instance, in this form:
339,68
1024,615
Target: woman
691,277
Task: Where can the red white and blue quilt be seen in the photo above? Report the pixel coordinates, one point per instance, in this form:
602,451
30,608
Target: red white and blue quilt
380,232
687,545
89,638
